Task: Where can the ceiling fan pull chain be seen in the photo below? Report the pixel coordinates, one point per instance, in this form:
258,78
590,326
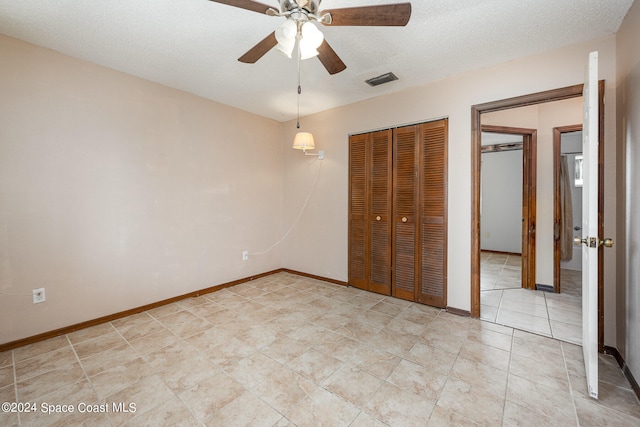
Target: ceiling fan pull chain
299,88
299,92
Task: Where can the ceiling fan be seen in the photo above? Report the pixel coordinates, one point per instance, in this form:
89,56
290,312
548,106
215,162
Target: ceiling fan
301,12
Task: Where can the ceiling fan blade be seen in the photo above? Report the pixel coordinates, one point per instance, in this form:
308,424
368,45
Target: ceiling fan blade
330,58
258,51
393,15
246,4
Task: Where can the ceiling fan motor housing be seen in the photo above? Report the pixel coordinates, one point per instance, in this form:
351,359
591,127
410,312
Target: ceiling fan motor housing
309,6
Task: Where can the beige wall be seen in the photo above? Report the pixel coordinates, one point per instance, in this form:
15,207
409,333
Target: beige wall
628,238
543,118
116,192
320,247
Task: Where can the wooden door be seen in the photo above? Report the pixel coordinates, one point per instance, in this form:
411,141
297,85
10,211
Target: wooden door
432,202
370,211
405,192
358,260
379,212
590,226
397,212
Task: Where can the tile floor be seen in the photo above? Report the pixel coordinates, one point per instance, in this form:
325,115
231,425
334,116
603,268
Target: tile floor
287,350
503,301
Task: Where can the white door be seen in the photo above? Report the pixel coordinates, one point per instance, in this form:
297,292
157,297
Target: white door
590,238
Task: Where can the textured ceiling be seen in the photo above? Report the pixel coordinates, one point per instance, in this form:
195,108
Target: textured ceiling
193,45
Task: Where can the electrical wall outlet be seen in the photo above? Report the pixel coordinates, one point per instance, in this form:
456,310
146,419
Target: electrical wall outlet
245,255
38,295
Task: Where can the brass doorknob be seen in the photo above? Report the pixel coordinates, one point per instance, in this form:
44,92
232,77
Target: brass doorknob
578,241
404,219
378,218
607,243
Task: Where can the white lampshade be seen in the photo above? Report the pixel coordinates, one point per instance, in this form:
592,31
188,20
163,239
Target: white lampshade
286,36
286,48
312,35
303,141
307,52
311,39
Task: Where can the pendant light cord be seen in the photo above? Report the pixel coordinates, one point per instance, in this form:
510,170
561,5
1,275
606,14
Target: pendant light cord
299,86
295,222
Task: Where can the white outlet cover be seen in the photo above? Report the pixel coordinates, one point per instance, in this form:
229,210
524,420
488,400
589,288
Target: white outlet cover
38,296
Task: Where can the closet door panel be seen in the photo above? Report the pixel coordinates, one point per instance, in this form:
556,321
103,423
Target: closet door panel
397,212
404,266
433,213
380,212
404,212
358,233
433,276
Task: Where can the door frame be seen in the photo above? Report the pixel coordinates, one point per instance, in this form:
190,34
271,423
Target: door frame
529,180
476,129
557,137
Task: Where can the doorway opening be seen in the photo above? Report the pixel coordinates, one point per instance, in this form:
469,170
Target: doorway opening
567,170
476,237
508,201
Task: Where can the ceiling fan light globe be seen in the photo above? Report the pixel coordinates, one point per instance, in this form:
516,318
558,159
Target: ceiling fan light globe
307,29
309,55
286,48
312,35
317,39
286,32
307,50
311,39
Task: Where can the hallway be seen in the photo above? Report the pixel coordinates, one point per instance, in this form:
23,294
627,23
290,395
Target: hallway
505,302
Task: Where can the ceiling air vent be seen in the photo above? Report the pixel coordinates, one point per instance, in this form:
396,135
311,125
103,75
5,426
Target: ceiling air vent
384,78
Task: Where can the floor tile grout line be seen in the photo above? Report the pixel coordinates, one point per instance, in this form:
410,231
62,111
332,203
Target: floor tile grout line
361,409
609,408
224,372
85,372
40,355
15,382
448,378
499,305
571,393
506,389
142,358
546,307
253,393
